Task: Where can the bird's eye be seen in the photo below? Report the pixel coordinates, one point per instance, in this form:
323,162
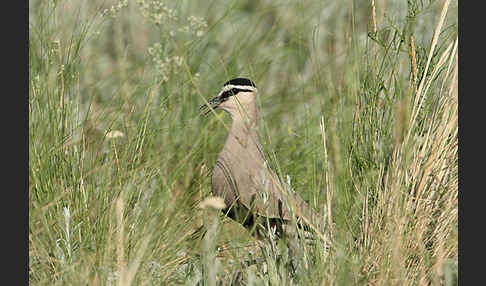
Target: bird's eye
233,91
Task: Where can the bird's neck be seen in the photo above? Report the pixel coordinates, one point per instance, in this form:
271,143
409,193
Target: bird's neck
243,134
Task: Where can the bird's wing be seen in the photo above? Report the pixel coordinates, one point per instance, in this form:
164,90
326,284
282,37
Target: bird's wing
259,191
268,197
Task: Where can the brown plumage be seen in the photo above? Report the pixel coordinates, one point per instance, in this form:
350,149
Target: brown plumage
252,192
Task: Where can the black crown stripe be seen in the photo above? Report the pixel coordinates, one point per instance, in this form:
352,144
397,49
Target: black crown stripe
240,81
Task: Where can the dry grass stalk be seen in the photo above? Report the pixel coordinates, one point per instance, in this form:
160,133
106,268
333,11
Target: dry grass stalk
414,61
415,191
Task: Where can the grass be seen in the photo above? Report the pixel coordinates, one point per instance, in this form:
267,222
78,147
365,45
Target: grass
359,111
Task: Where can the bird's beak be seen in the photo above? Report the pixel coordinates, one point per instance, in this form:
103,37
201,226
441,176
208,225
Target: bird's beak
213,104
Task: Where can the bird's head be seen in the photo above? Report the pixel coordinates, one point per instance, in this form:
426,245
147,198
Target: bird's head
237,95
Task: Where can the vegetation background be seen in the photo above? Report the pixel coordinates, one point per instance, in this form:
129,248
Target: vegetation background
359,109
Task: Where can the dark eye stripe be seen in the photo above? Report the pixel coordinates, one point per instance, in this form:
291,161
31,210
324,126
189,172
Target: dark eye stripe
233,91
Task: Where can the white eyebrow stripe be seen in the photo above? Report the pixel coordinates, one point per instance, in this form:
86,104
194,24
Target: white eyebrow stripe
231,86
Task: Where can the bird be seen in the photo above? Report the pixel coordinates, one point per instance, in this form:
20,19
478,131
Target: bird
253,194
